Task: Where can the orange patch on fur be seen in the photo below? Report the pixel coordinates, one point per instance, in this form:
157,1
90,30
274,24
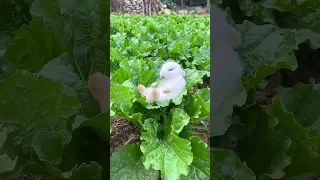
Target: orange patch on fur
153,95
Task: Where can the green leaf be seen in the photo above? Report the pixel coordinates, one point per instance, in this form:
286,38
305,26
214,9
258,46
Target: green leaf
33,46
269,153
100,61
134,118
48,146
171,156
126,163
30,106
202,58
306,25
194,77
87,33
200,166
227,165
257,11
260,58
302,35
202,97
300,16
86,146
121,98
138,71
179,119
198,105
3,136
151,126
304,150
192,107
221,118
302,100
91,171
49,11
13,15
99,122
61,70
7,163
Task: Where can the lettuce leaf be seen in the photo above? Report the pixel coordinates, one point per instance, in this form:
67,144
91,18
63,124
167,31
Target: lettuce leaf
126,163
227,165
171,155
36,118
200,166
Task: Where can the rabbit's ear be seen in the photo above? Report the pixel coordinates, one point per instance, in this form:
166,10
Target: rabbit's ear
235,38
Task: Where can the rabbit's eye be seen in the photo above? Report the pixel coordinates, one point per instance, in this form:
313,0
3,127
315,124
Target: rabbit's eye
171,69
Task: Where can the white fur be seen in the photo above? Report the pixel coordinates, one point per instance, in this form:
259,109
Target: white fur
226,67
172,79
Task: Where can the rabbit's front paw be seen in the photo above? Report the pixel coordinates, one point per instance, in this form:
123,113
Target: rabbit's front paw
141,89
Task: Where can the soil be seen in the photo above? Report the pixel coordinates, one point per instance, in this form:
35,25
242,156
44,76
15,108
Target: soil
204,134
123,132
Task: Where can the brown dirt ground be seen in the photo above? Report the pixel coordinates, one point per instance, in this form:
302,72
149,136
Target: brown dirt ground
123,132
205,134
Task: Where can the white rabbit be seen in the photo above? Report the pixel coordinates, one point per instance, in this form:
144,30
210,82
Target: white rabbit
171,85
226,68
